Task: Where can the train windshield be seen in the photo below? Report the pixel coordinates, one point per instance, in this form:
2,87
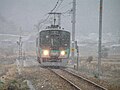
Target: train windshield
44,38
55,40
65,39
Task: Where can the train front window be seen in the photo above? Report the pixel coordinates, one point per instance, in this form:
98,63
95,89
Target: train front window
44,38
65,39
55,38
55,41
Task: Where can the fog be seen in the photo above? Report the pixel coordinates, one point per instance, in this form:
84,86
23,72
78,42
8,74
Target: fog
22,53
28,13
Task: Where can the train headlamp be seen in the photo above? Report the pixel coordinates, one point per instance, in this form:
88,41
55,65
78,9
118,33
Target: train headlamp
62,53
45,52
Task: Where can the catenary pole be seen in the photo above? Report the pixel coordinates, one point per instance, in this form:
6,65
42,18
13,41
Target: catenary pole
73,28
100,38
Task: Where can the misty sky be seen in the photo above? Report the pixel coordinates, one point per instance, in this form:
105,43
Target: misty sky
27,13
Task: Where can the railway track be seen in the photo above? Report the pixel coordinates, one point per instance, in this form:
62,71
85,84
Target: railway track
72,84
79,82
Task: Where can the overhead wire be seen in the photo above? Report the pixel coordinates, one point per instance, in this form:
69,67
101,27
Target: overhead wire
51,11
66,5
59,5
65,12
68,11
55,6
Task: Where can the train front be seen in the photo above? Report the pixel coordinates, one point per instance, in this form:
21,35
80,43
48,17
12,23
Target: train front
54,45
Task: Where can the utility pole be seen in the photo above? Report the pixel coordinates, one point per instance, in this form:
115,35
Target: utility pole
100,38
73,28
20,50
19,42
20,47
77,49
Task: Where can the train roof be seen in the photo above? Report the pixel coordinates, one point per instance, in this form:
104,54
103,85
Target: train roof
54,28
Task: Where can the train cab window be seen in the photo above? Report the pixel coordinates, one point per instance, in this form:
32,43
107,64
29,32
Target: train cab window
55,40
44,38
65,39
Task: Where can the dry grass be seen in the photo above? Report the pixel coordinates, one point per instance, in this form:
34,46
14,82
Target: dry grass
110,75
9,77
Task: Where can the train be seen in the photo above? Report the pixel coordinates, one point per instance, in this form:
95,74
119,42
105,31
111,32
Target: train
53,46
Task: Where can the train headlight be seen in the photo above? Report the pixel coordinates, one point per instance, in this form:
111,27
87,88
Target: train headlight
62,53
45,52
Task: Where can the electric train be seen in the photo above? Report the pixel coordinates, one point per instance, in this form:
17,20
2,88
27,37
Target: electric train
53,46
